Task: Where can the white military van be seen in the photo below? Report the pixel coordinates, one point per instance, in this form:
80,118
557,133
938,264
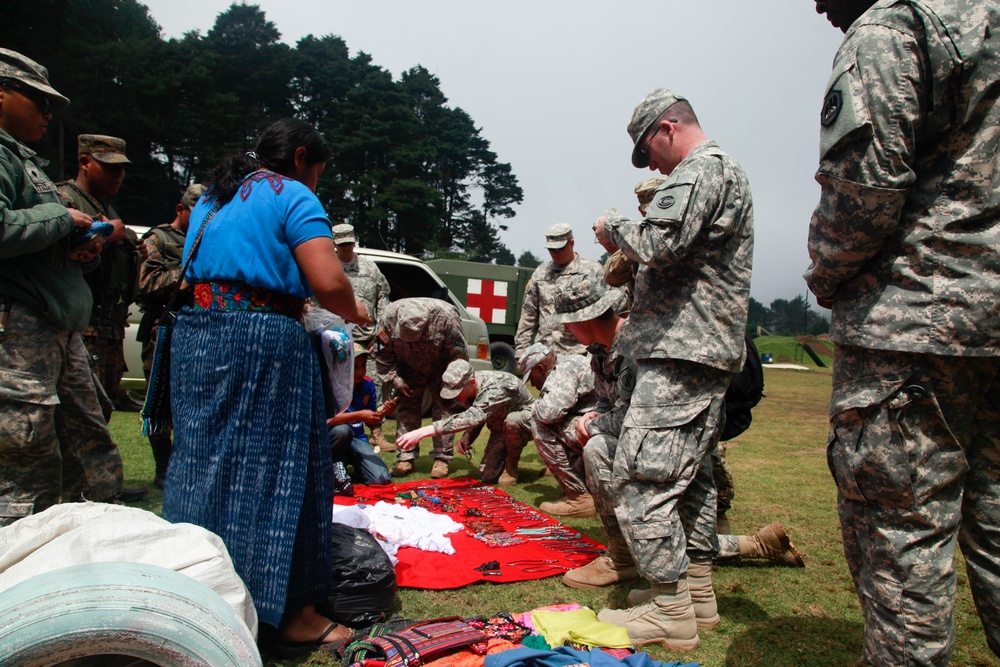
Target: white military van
407,276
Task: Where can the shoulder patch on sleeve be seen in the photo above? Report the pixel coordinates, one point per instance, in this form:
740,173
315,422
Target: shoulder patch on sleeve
844,109
670,202
383,336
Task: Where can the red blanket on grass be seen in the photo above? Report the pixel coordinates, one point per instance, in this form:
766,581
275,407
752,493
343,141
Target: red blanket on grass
541,555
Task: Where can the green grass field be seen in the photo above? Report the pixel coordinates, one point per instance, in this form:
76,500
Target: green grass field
772,616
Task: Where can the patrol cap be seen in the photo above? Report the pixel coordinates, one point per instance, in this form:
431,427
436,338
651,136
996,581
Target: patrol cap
344,233
531,358
30,74
580,299
103,148
360,350
192,194
557,236
455,377
643,118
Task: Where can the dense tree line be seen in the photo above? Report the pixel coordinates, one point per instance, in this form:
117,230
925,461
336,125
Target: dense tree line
786,317
411,173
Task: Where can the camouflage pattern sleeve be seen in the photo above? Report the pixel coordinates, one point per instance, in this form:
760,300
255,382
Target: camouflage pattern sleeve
463,421
867,145
385,358
158,274
454,338
527,326
568,383
682,206
381,296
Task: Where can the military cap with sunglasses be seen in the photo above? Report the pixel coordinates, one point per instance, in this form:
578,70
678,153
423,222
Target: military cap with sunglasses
643,118
24,75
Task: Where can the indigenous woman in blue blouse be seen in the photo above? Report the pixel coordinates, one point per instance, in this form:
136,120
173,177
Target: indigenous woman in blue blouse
251,460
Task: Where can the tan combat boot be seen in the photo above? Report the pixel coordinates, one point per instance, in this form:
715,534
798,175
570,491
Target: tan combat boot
580,506
771,542
667,619
379,442
439,470
402,469
614,567
510,473
706,610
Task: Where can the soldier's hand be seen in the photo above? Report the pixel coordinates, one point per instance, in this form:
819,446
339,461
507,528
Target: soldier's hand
88,253
80,219
582,434
463,444
119,233
363,318
408,441
405,390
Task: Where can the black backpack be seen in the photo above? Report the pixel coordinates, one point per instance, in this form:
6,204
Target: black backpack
744,392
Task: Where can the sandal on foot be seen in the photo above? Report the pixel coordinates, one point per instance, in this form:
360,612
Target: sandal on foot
283,648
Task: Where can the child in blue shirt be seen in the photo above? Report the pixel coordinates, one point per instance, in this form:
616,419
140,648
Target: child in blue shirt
348,442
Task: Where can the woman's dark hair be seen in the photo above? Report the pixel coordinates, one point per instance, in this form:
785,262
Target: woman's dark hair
275,151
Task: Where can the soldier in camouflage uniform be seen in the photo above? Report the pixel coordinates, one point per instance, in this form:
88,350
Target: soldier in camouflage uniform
159,274
538,323
416,340
54,443
566,392
372,289
685,332
905,248
496,399
101,170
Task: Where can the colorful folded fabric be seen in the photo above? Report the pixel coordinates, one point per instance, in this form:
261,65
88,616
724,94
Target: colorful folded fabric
579,627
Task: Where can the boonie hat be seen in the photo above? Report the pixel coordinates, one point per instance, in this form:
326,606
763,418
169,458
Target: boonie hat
360,350
557,236
103,148
28,73
344,233
580,299
643,118
192,194
455,377
531,358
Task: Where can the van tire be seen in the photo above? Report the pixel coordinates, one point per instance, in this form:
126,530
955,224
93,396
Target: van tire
108,610
502,356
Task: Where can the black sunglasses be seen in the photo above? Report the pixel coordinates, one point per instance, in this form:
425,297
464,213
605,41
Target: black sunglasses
41,100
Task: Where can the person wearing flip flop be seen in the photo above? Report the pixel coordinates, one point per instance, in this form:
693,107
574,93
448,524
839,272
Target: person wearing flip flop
496,399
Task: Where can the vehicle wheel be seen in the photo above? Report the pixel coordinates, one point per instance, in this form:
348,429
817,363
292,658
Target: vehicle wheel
502,356
112,610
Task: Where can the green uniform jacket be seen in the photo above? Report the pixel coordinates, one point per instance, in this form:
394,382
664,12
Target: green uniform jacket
35,269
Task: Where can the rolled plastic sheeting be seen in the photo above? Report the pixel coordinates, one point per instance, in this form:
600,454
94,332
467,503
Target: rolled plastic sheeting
121,609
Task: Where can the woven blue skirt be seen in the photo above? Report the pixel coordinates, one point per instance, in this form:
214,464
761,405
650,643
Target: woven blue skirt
251,461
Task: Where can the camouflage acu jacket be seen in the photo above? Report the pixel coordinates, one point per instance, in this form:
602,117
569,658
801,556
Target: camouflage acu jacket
498,394
371,287
905,238
568,390
695,250
416,339
538,323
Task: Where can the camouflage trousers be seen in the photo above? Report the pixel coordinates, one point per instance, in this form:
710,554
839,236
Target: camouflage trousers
54,442
598,462
558,445
107,358
724,489
914,449
663,488
409,414
508,437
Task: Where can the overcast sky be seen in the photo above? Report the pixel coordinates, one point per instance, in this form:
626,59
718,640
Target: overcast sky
552,85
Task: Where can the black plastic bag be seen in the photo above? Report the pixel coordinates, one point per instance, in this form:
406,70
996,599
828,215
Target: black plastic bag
364,581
